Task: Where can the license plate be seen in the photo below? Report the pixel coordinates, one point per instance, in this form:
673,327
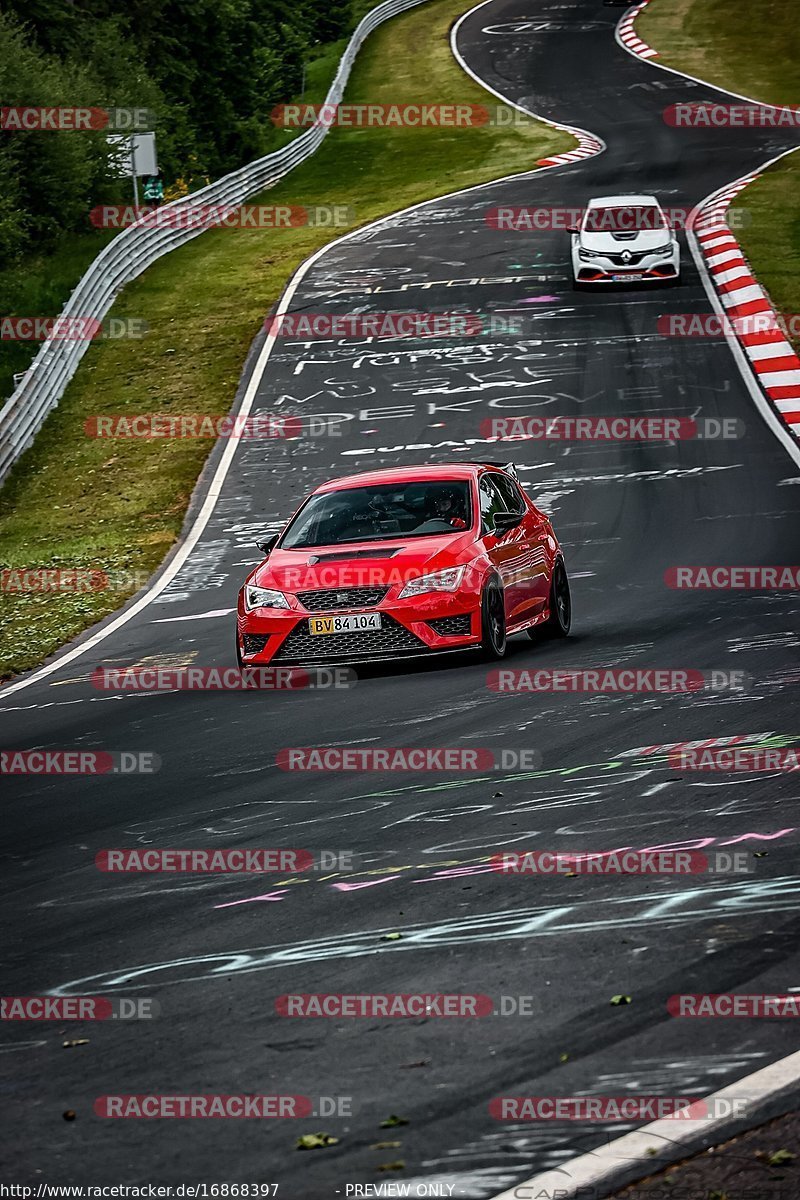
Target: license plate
629,275
353,623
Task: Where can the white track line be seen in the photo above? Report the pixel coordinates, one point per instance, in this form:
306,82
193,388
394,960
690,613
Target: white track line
186,547
610,1162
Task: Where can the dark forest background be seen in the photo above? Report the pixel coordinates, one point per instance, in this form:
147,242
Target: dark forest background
211,71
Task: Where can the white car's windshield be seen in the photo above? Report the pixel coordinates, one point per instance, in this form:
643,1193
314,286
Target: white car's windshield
381,512
625,218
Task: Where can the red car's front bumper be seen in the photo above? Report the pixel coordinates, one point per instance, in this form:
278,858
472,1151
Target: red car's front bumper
431,623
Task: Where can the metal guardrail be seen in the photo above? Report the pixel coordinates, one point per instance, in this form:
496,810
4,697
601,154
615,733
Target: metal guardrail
134,249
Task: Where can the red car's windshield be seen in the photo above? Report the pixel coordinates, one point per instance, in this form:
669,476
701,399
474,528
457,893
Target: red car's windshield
381,512
626,218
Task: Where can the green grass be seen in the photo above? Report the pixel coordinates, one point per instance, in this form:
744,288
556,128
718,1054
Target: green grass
751,47
118,506
39,286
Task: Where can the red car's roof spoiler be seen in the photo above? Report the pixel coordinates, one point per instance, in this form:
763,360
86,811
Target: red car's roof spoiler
508,467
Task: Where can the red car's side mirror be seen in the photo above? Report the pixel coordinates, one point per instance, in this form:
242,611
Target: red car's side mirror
504,521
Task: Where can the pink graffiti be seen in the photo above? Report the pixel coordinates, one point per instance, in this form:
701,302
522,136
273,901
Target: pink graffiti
486,868
354,887
252,899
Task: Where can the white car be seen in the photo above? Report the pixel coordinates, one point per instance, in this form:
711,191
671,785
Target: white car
624,239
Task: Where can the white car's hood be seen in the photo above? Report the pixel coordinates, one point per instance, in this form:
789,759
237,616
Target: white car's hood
614,243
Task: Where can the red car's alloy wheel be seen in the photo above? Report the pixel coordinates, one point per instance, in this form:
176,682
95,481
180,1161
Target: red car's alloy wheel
493,621
560,619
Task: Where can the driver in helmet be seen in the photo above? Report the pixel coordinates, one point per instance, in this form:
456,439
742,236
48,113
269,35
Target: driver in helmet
448,506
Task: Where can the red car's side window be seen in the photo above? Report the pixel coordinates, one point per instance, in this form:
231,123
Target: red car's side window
492,501
510,491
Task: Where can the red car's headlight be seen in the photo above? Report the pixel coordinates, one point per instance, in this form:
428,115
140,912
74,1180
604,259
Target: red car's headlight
438,581
258,597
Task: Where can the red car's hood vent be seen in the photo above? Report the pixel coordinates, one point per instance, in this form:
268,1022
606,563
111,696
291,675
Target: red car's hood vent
340,555
379,566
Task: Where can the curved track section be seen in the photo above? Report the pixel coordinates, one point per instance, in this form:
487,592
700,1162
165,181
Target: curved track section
216,951
756,326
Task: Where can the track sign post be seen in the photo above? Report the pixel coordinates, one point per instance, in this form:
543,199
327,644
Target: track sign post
134,154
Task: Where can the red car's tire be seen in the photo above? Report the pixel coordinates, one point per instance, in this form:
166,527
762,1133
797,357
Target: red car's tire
560,620
239,659
493,621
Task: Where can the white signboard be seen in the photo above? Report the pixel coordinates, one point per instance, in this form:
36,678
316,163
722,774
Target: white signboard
134,154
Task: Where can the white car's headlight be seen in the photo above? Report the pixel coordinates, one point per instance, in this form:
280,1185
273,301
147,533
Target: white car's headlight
439,581
667,248
587,254
258,597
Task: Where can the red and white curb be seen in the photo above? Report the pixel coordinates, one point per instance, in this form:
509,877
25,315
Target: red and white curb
588,145
750,314
628,35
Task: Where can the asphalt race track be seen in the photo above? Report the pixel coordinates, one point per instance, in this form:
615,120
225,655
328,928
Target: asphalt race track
215,951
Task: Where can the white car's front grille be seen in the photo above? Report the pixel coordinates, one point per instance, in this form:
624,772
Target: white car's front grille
628,259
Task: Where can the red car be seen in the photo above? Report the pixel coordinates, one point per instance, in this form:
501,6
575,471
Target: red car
406,561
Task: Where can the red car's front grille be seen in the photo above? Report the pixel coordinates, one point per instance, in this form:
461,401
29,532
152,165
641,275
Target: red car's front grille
392,638
328,599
